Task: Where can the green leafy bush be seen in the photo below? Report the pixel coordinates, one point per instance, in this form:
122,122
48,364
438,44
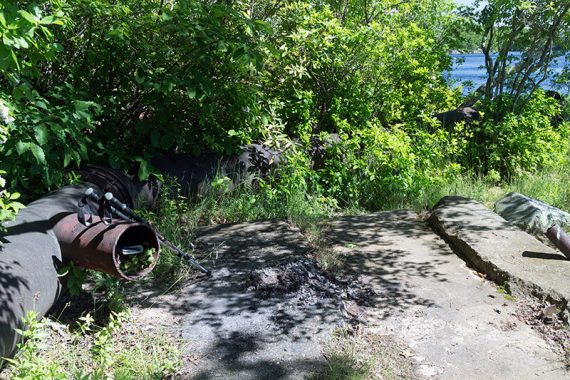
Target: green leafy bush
328,71
526,141
51,121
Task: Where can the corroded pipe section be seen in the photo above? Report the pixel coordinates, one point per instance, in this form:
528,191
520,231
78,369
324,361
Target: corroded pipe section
30,255
559,238
99,246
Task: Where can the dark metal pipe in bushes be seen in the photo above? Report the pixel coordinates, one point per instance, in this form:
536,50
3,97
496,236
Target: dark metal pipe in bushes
30,254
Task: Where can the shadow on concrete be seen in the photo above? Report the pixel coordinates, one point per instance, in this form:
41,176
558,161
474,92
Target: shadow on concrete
235,330
375,251
544,255
235,353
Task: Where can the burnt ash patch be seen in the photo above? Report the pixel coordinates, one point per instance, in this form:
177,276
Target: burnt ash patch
303,282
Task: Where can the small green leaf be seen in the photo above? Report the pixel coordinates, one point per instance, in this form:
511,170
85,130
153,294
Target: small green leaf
66,159
16,206
15,59
47,20
22,147
144,170
41,104
81,106
42,134
27,16
191,92
38,153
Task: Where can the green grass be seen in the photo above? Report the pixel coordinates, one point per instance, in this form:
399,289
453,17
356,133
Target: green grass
505,291
120,349
360,354
178,217
552,187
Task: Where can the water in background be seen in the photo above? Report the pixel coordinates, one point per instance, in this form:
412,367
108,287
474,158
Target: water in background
471,67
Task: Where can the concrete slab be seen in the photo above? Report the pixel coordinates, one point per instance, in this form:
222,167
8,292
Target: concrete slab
502,251
457,325
232,330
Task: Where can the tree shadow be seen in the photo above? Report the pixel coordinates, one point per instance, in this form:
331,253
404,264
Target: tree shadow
11,285
371,249
237,330
544,255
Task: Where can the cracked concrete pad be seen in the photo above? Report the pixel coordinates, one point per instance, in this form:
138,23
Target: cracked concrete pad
502,251
456,324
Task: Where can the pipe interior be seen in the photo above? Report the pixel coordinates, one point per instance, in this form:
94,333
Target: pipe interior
136,235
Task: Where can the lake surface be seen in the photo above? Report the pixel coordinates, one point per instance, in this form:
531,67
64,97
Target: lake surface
471,67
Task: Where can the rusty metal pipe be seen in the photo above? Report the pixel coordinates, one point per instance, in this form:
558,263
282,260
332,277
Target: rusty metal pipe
559,238
98,245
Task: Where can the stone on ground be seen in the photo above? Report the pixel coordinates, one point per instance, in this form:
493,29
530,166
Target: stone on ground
503,251
456,324
531,214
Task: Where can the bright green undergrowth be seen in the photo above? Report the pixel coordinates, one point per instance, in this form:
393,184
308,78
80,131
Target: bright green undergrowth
119,349
178,217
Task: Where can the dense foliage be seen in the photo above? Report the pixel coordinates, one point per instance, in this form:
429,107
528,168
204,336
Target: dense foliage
120,82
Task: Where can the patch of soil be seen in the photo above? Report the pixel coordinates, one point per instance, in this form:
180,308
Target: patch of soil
67,309
547,321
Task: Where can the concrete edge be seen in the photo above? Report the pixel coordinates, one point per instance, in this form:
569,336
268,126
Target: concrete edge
492,271
482,263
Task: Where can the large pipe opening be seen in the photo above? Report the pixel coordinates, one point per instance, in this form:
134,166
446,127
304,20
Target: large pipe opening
102,247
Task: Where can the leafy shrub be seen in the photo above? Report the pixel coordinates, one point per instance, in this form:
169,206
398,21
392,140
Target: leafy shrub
526,141
51,121
328,71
